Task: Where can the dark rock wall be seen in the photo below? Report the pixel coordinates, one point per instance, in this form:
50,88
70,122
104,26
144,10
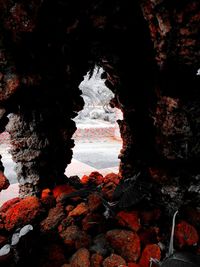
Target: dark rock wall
150,53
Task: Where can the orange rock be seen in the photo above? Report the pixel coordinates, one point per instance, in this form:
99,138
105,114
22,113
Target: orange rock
4,183
81,258
150,251
96,178
54,256
47,198
96,260
149,216
125,243
73,237
69,208
68,221
54,217
45,193
85,179
186,234
111,177
94,202
93,222
149,235
129,219
60,189
108,190
114,261
81,209
23,212
9,204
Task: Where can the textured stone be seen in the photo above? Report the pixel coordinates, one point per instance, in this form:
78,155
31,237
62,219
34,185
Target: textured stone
62,189
23,212
94,202
81,258
150,251
93,222
73,237
125,243
114,261
55,216
129,219
8,204
80,209
96,260
186,234
53,255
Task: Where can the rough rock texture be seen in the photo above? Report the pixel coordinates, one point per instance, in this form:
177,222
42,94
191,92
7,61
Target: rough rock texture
23,212
113,261
73,237
186,234
151,251
126,243
81,258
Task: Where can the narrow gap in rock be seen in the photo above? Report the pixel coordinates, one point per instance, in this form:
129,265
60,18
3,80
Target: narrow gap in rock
97,138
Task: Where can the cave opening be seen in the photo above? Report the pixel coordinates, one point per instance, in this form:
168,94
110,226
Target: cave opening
97,139
149,51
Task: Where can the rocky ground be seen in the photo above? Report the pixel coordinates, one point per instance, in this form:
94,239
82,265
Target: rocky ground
80,224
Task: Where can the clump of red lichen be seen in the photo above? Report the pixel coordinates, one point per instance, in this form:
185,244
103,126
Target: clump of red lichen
22,213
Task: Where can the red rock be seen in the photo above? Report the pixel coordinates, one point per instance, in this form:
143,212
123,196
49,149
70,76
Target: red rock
85,179
55,216
111,177
73,237
45,193
62,189
186,234
126,243
131,264
96,177
81,258
149,235
96,260
4,183
69,208
129,219
47,198
53,256
114,261
94,222
9,204
23,212
149,216
81,209
150,251
69,221
94,202
108,190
